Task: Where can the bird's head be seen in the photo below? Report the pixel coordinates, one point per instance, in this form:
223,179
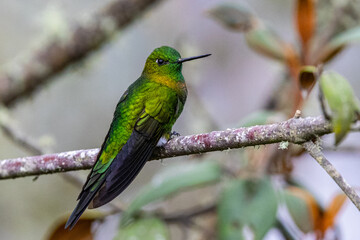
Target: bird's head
166,61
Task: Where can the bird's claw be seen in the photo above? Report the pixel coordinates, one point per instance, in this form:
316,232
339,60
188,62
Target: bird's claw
174,134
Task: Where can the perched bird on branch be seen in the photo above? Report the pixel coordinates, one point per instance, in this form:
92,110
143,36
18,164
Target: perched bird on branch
145,113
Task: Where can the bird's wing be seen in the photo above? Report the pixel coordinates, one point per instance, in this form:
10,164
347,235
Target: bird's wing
106,181
105,157
130,160
96,177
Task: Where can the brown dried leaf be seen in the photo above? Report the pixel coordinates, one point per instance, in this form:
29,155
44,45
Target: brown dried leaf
305,22
307,78
81,231
333,210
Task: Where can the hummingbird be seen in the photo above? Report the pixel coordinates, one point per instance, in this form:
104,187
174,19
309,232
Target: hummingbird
144,114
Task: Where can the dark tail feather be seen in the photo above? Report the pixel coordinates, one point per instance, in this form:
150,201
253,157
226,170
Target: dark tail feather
83,203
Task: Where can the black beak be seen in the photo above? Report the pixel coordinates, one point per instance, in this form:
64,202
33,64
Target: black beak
181,60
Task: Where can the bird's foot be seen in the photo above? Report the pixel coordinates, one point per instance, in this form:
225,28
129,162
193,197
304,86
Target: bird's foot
174,134
166,137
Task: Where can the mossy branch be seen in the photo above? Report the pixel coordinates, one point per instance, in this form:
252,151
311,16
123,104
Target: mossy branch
295,130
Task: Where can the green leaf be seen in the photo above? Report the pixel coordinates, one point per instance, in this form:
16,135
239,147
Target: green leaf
342,102
266,42
349,36
258,36
172,180
233,17
146,228
247,203
340,41
299,203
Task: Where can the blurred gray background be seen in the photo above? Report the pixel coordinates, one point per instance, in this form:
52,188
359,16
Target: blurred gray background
75,109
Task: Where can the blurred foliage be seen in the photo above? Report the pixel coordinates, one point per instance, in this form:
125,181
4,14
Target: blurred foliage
306,212
234,17
246,203
303,66
259,37
146,228
172,180
302,208
261,117
343,103
337,43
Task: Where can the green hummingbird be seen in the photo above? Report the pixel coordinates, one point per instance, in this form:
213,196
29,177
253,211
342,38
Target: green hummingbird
146,112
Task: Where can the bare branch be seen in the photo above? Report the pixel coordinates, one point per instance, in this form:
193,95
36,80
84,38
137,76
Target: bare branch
295,130
316,153
60,53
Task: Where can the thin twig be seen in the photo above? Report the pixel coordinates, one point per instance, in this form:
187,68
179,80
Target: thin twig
57,54
186,218
21,140
295,130
16,136
316,153
323,108
344,149
188,214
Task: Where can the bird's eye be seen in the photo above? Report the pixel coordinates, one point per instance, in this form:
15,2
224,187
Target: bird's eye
160,61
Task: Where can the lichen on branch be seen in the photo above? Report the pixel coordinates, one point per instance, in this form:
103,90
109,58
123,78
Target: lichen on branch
294,130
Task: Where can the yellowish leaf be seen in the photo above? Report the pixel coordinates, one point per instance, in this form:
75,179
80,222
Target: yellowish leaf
342,102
